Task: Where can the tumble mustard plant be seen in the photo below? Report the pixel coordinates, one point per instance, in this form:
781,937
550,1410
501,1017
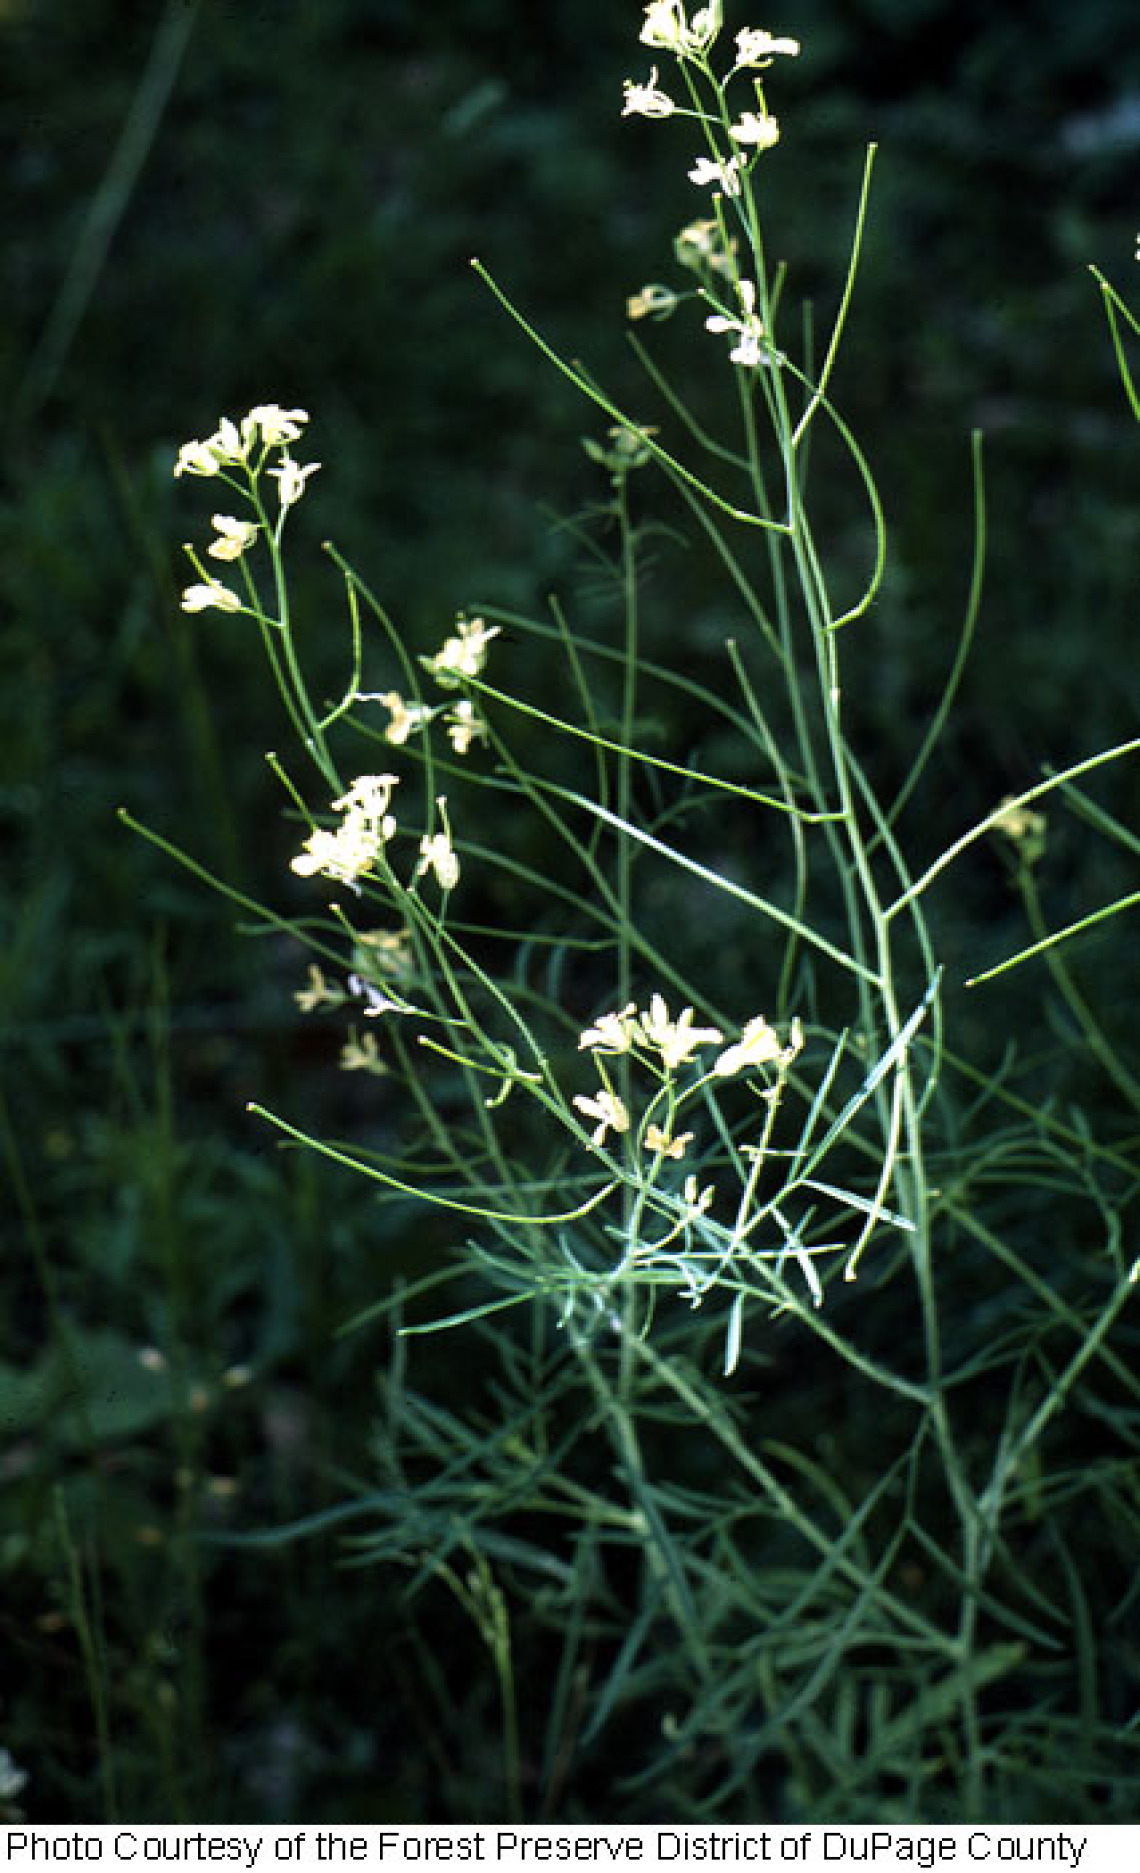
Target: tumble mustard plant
646,1119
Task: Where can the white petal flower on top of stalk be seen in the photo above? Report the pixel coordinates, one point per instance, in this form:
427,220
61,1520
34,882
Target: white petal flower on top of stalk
609,1111
676,1041
646,100
754,47
756,127
274,424
235,537
749,347
724,173
666,26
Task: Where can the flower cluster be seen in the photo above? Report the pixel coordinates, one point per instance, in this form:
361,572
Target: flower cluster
676,1042
705,246
242,446
463,722
350,851
267,426
463,655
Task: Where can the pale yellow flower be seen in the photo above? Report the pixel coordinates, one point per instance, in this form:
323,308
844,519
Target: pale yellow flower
759,1045
1019,822
701,244
438,855
1024,827
645,100
319,994
464,726
230,444
652,302
666,26
276,425
361,1054
661,1142
224,449
756,47
756,127
676,1041
345,854
353,848
369,798
609,1111
726,174
749,346
212,596
612,1033
463,654
291,478
235,537
197,458
698,1200
405,718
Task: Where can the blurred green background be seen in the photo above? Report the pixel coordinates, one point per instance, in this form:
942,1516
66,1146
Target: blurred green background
210,205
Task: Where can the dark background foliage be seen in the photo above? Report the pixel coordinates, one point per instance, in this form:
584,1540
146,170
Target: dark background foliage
298,228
